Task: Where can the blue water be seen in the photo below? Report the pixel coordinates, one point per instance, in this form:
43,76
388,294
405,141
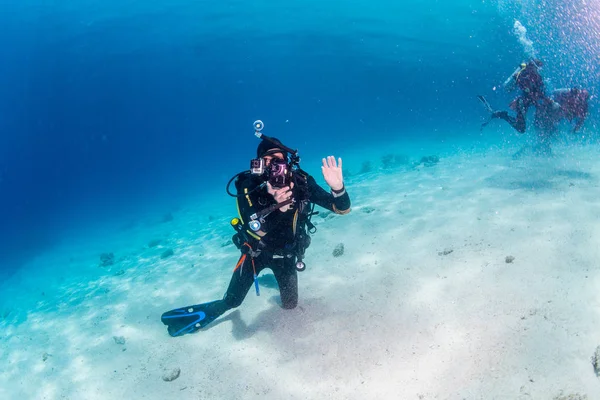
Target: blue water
109,109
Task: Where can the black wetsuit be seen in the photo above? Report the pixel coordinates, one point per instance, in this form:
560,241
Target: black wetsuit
573,105
284,237
533,92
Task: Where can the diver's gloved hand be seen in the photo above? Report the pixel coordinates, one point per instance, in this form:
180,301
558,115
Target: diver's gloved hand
281,194
332,173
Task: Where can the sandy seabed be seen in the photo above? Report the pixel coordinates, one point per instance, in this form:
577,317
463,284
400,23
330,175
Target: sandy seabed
475,278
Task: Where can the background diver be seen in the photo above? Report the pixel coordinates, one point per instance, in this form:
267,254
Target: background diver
275,201
562,105
528,79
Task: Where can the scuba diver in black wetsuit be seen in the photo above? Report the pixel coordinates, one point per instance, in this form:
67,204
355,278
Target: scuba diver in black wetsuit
533,93
275,201
562,104
574,105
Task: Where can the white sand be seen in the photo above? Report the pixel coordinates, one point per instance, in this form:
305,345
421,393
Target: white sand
390,319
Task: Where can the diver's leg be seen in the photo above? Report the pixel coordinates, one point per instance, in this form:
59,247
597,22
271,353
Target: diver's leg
520,124
239,285
287,278
517,123
190,319
241,282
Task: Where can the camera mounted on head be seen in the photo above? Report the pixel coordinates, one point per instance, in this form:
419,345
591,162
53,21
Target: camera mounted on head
279,171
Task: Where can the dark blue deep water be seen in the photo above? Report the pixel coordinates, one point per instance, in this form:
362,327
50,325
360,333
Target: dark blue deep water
113,108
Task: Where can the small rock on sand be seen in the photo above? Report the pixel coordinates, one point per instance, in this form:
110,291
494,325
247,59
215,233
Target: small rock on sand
339,250
119,339
445,252
171,375
575,396
167,253
596,361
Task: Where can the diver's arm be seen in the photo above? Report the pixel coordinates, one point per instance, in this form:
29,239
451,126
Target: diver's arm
338,203
511,82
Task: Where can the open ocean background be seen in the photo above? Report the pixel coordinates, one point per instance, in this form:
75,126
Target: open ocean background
113,110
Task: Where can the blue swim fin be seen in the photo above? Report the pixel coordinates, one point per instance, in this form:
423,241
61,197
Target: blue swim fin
190,319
